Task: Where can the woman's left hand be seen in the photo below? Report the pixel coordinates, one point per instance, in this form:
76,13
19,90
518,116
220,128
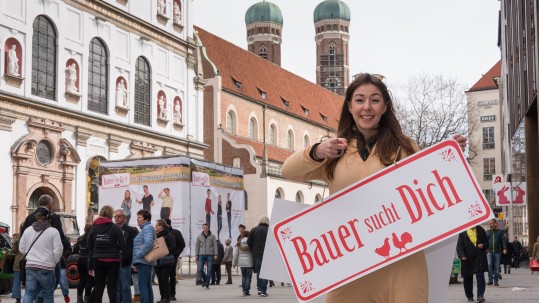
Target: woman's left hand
461,140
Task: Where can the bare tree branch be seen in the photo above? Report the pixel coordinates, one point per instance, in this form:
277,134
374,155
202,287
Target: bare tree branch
432,108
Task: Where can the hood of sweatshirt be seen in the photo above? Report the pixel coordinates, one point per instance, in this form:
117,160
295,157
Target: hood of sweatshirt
102,221
40,225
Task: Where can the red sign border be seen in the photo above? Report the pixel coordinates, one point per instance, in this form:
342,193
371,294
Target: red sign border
389,169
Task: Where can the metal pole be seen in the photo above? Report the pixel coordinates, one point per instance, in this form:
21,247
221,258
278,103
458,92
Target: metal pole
511,232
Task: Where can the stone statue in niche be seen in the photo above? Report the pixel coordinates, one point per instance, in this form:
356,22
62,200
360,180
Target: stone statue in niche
13,61
177,13
161,7
121,94
71,71
161,103
177,112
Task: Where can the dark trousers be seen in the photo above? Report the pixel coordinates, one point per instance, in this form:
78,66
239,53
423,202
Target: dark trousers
165,213
468,284
86,282
228,268
106,273
163,276
172,278
216,274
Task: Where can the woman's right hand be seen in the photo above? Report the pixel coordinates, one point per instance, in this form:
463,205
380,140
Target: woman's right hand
331,148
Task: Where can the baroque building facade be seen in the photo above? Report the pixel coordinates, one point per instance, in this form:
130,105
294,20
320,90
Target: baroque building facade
87,81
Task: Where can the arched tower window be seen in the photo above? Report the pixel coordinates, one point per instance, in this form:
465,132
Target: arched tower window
143,80
98,77
44,41
263,52
279,193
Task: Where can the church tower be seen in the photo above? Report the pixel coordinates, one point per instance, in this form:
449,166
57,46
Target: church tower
264,23
331,22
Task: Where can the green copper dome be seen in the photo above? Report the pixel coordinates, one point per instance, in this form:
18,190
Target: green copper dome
331,9
263,12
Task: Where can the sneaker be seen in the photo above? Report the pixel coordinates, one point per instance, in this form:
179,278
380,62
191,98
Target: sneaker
489,283
496,284
471,300
245,294
480,299
67,299
263,294
207,286
136,298
259,293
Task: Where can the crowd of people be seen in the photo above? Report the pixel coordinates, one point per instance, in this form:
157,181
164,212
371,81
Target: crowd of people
111,255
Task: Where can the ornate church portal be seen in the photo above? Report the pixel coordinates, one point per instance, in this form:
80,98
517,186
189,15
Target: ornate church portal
43,163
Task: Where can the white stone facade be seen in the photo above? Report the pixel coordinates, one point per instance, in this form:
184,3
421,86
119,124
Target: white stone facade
128,30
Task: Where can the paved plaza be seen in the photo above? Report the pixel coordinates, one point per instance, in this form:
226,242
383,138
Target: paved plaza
520,286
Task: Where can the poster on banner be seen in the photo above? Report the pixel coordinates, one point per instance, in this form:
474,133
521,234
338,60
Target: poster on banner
400,210
159,185
507,192
218,199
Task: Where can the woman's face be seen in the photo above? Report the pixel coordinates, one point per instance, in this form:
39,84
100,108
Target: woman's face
158,228
367,107
127,194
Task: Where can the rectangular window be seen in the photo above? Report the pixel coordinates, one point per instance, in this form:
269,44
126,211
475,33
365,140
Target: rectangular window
489,194
488,137
489,168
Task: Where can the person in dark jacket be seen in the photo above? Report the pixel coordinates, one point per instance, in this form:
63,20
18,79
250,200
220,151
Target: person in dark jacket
517,247
180,246
216,266
165,264
257,242
105,242
86,282
123,293
507,258
471,249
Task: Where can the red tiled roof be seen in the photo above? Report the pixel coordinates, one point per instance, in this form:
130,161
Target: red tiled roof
274,153
255,74
487,81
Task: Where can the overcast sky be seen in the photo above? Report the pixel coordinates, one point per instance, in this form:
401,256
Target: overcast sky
398,39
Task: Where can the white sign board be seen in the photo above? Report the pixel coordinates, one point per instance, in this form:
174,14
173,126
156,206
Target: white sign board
405,208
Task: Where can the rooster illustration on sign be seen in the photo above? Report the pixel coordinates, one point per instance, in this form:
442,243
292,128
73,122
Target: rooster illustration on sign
385,249
401,244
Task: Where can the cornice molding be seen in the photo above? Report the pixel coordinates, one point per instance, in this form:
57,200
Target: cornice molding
130,23
6,120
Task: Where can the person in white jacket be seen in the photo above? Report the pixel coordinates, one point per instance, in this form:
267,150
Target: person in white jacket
43,248
244,259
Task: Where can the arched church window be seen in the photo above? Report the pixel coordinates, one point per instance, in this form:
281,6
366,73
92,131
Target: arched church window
98,77
143,80
44,41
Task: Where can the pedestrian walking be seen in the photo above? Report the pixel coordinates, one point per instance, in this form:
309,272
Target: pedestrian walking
471,249
496,246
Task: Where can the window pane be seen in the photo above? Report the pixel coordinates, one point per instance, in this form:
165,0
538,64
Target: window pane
44,58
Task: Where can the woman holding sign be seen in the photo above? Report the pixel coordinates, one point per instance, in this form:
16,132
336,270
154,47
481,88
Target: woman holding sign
369,138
